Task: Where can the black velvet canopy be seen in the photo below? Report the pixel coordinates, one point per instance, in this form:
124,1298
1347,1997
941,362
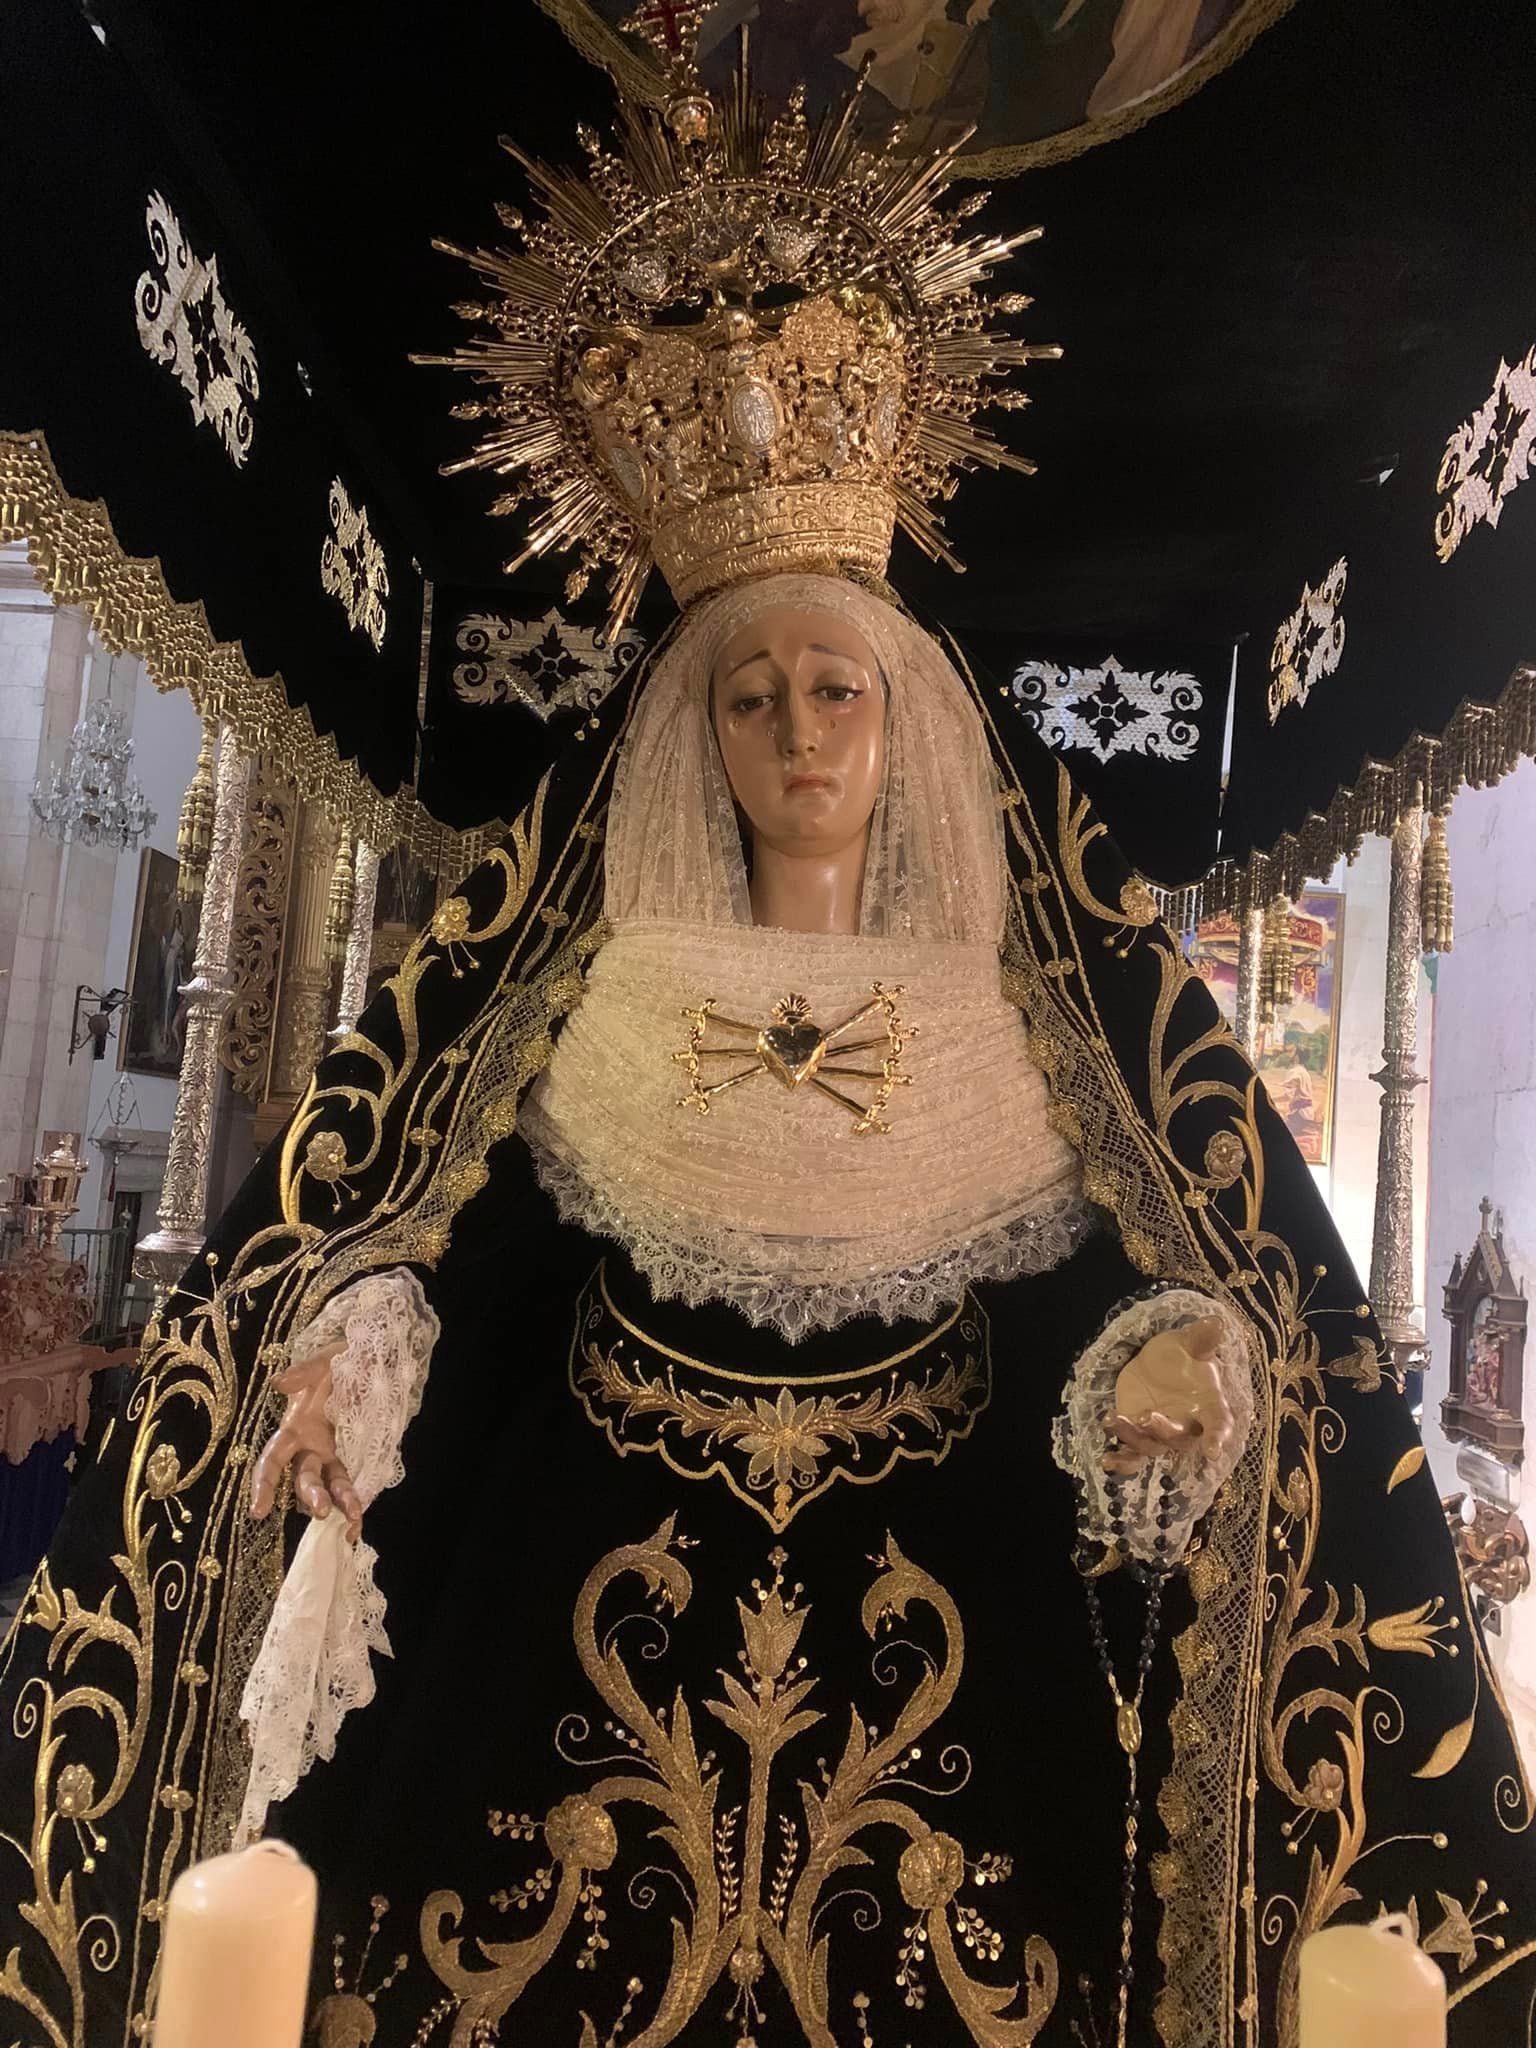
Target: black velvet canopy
241,533
1299,281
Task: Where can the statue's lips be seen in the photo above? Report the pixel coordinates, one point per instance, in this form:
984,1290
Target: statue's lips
799,782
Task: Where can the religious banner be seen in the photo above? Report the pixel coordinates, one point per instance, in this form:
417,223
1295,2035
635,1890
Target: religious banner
1298,1049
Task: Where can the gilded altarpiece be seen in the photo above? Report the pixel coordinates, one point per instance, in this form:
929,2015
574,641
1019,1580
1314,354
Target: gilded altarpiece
256,942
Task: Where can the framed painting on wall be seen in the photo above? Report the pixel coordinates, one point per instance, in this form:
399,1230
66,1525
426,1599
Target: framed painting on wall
1298,1052
164,947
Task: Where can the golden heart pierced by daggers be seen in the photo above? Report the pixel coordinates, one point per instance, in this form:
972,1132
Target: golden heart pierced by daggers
795,1050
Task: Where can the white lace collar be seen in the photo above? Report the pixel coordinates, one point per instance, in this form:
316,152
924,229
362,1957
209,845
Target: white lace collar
776,1199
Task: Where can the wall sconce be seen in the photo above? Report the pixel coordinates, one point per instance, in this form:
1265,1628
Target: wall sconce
92,1024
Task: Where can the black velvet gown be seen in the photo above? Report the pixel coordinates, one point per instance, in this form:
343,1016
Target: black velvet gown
877,1637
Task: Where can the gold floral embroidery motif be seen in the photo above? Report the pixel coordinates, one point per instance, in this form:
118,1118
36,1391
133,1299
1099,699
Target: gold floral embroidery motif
778,1445
754,1866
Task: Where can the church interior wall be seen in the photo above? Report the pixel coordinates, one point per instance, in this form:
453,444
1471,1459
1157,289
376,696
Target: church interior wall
56,899
67,912
26,631
1347,1182
1483,1128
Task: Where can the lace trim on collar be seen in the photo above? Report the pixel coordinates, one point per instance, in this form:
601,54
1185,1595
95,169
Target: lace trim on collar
755,1273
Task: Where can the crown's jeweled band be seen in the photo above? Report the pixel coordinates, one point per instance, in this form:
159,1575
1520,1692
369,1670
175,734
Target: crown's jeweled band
772,530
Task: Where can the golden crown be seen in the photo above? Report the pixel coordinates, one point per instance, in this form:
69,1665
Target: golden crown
739,342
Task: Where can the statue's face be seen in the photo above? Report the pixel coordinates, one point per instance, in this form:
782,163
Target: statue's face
799,710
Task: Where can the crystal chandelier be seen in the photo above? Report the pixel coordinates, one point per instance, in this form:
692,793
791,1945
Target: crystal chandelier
93,798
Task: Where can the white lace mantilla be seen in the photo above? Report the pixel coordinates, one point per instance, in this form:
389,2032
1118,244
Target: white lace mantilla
315,1661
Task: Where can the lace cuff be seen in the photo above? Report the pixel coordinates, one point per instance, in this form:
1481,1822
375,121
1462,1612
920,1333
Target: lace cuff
1080,1438
314,1663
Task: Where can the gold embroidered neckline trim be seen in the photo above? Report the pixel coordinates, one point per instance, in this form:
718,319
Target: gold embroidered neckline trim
813,1379
778,1443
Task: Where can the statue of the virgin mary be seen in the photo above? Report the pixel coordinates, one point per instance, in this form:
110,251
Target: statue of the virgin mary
834,1482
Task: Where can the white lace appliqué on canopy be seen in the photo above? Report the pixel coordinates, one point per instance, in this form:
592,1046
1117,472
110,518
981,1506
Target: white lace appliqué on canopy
315,1661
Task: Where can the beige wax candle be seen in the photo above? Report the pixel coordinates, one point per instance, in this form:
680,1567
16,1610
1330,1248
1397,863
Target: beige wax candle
234,1972
1370,1987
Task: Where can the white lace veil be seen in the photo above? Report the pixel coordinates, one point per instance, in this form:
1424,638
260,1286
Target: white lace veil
935,863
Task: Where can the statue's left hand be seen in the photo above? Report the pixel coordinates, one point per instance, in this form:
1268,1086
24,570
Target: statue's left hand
1169,1398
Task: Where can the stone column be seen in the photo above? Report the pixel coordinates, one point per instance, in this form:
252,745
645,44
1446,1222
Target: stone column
354,967
1392,1238
1250,946
164,1255
304,990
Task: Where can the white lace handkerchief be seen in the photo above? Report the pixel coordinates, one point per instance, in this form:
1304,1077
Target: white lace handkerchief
314,1665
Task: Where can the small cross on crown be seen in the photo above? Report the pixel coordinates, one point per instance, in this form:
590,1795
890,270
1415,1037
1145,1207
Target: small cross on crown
671,27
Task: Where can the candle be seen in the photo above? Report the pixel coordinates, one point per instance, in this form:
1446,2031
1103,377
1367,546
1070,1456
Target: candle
1370,1987
234,1971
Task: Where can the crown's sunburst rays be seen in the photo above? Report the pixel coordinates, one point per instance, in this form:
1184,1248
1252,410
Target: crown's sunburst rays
818,376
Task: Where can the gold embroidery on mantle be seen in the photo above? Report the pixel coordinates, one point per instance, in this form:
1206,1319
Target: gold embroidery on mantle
778,1444
137,1686
1262,1600
756,1866
162,1610
1133,1167
1329,1728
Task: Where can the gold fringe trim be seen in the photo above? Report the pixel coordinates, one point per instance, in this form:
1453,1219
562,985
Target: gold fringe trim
1437,894
79,560
1480,746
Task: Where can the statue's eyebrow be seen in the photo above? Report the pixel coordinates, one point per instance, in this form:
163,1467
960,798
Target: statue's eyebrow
746,662
764,654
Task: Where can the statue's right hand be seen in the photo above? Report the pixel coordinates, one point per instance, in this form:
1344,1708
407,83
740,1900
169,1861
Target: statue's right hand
304,1443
